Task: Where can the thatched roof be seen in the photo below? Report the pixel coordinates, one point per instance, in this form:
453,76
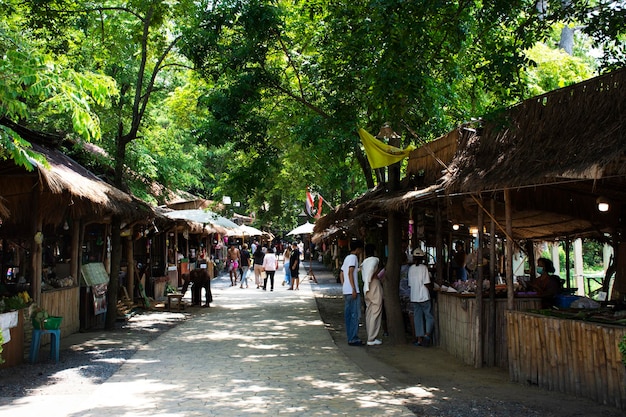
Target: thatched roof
348,210
568,133
66,189
431,159
556,153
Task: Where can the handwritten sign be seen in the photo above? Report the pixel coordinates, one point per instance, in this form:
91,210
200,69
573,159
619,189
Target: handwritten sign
94,274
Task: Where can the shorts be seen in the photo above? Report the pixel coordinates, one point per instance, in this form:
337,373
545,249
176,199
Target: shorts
233,265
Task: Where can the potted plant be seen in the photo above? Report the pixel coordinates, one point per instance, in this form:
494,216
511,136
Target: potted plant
38,316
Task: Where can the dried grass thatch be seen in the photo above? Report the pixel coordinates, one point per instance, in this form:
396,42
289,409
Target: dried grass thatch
431,159
63,188
572,132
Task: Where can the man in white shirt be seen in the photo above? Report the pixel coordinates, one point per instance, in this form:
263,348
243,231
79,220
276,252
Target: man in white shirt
349,277
419,282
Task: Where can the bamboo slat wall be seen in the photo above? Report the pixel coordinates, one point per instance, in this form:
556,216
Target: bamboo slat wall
570,356
63,302
458,327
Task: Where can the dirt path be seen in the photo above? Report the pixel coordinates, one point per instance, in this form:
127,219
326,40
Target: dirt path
433,383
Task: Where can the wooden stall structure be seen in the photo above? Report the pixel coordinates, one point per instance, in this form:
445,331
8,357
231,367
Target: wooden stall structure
44,215
534,173
571,356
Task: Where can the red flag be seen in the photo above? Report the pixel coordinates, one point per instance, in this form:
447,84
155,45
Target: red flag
319,206
309,203
311,211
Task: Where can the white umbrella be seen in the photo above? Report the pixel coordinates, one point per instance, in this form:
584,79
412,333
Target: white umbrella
203,216
245,230
305,229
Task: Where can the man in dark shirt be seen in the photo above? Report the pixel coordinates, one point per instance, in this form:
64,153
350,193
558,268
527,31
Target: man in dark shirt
294,266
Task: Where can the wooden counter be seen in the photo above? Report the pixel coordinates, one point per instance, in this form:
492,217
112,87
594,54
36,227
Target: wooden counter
571,356
458,328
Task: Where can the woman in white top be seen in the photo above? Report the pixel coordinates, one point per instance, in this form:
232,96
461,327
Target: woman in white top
270,265
373,293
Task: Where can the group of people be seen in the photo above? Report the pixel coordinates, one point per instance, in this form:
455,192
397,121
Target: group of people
372,274
263,262
370,268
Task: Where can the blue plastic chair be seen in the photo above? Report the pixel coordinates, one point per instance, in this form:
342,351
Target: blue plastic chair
55,344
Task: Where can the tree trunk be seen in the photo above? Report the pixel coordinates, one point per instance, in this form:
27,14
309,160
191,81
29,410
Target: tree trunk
365,166
395,322
116,240
391,290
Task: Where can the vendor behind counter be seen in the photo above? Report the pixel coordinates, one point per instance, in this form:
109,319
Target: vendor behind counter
547,285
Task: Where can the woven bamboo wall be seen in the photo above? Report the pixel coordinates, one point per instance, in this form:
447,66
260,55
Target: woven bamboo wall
63,302
458,327
570,356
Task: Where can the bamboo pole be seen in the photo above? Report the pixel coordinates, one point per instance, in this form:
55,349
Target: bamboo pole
509,250
567,262
439,246
491,359
37,240
75,251
479,293
130,266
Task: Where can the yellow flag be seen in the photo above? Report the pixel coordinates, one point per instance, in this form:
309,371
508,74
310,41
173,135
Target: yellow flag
379,153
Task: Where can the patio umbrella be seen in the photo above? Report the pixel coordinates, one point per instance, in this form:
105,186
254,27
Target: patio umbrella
245,230
305,229
203,216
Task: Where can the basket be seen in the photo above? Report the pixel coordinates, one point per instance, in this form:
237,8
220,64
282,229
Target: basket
52,323
564,301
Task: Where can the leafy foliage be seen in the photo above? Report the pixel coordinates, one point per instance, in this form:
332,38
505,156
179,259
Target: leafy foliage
35,87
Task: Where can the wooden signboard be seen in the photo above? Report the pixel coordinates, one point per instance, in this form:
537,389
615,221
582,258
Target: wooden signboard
94,274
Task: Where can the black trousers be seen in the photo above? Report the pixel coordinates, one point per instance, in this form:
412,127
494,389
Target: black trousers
269,275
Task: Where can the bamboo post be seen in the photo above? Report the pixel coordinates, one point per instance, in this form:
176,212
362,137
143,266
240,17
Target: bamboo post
130,266
491,359
568,261
37,240
479,294
76,250
439,246
509,250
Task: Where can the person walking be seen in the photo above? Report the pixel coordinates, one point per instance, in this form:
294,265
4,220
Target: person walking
294,267
245,265
257,257
286,256
234,260
373,294
270,265
419,281
349,277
